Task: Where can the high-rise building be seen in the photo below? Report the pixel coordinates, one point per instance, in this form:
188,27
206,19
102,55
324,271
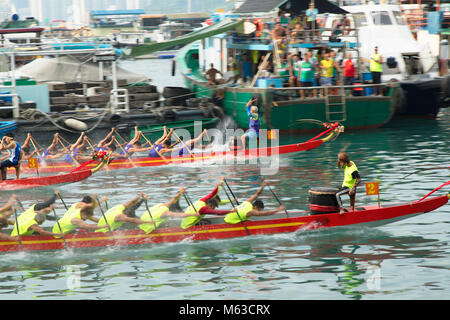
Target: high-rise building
36,9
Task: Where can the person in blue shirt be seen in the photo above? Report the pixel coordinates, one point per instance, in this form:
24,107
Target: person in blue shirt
14,157
253,126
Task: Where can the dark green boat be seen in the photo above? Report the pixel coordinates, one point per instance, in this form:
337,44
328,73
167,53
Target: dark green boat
154,132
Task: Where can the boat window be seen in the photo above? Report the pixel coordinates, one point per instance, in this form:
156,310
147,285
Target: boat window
381,18
360,19
399,18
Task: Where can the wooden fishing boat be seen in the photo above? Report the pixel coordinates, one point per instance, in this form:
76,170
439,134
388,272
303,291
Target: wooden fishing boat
241,155
154,132
371,216
42,181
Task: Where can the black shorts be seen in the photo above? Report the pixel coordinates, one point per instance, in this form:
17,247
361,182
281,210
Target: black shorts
376,77
306,84
7,164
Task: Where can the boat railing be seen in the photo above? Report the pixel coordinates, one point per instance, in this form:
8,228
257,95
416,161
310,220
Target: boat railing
15,102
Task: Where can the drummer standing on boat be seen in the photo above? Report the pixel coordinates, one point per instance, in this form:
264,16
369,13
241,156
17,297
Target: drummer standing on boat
14,157
351,180
254,124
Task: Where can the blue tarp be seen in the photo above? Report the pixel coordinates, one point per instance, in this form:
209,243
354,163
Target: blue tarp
117,12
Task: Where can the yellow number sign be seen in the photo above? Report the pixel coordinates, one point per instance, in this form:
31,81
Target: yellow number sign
33,163
372,188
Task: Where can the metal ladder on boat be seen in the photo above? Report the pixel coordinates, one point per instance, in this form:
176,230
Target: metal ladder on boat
335,106
119,97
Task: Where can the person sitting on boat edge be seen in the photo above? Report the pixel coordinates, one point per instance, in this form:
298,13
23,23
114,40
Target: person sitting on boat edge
76,215
5,212
351,180
161,213
33,224
254,125
195,209
118,215
14,157
251,207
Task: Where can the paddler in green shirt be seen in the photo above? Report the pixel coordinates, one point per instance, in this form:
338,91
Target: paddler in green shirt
351,180
250,207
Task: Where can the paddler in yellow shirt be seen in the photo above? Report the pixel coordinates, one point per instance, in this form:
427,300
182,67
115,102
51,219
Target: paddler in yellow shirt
251,207
351,180
118,215
32,225
77,214
161,213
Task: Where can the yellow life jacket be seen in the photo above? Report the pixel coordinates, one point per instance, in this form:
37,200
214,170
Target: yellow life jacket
349,182
111,215
23,227
66,221
29,213
375,66
193,220
156,211
239,215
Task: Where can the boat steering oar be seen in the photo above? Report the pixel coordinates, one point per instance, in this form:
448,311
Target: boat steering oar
276,197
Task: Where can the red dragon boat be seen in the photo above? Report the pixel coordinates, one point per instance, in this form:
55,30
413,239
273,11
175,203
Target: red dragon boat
42,181
332,132
295,222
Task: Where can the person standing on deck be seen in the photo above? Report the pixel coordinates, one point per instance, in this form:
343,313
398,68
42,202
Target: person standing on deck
376,68
250,207
254,124
351,180
306,71
211,75
349,72
14,157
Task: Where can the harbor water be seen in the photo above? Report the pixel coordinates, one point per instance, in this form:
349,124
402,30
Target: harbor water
403,260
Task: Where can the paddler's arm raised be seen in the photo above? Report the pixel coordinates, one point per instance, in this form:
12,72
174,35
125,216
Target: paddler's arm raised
256,195
215,191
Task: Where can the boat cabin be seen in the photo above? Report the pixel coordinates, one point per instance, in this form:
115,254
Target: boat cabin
384,26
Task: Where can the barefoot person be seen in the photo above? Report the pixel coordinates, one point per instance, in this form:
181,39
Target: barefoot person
351,180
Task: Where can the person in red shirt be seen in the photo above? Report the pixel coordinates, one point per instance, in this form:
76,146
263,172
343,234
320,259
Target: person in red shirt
349,71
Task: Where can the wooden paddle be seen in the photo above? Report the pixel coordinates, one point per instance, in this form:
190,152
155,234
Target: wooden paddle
68,151
18,232
103,214
184,144
276,197
151,145
237,212
60,229
124,152
150,213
